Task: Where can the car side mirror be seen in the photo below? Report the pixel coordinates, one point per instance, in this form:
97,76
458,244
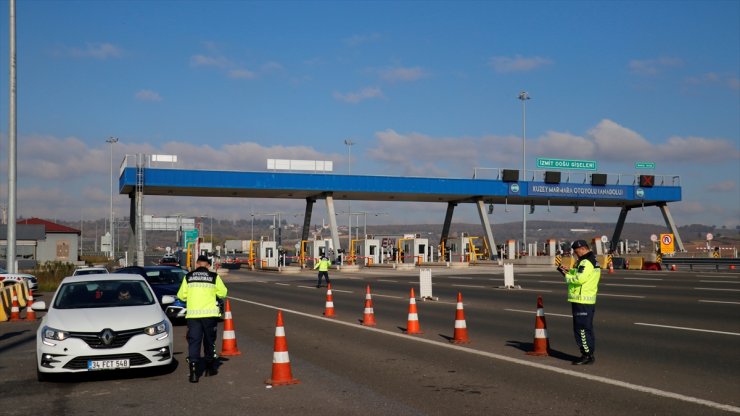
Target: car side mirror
168,300
39,306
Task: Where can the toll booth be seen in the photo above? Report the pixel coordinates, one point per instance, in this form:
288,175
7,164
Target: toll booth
267,254
598,247
367,251
414,250
551,247
461,249
510,249
315,249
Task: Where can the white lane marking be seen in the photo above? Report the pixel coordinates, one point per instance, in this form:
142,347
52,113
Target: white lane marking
712,288
550,282
721,275
479,287
719,301
621,296
719,281
640,278
500,278
305,287
622,285
282,284
342,291
572,373
391,281
688,329
546,314
527,290
457,277
387,296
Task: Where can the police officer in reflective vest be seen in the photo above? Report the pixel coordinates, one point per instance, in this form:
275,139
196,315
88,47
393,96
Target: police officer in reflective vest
323,266
583,284
199,289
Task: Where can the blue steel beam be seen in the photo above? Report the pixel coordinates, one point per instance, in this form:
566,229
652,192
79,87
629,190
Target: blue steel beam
290,185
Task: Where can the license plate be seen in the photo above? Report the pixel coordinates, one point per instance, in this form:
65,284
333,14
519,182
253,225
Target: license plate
107,364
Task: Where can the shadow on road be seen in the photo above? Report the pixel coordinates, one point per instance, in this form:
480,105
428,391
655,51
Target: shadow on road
528,346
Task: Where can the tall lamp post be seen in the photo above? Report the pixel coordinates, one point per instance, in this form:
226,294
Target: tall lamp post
349,144
111,141
524,96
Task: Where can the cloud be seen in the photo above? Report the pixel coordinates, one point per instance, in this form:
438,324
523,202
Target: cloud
214,61
362,95
724,186
714,79
517,63
148,95
242,74
402,74
652,66
356,40
101,51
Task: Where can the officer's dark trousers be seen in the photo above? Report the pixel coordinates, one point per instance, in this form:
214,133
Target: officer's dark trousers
325,275
202,331
583,327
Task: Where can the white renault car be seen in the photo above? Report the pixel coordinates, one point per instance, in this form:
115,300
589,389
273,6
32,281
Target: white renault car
102,322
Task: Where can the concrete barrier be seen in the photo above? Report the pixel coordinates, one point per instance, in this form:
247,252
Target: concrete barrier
635,263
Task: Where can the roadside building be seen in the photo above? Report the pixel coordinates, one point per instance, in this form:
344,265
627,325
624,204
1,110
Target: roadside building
39,241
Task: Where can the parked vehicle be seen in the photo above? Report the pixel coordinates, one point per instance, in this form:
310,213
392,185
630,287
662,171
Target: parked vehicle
89,270
102,322
31,280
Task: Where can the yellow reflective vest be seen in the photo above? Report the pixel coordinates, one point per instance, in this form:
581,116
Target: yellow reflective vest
199,289
323,265
583,280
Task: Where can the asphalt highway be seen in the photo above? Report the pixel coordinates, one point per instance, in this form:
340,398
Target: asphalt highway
667,343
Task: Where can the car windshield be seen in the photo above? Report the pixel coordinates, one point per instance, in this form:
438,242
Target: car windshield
165,276
83,272
103,294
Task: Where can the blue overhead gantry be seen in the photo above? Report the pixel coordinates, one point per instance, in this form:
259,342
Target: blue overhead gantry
577,189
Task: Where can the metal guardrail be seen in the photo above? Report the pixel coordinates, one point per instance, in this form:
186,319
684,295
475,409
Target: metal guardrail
691,262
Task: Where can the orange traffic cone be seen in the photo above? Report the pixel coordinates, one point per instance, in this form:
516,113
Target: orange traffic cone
228,347
413,323
732,267
541,341
368,318
611,268
673,267
281,374
30,313
15,312
461,329
329,311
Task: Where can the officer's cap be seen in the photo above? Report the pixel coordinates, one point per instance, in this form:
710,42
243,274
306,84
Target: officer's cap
579,243
204,259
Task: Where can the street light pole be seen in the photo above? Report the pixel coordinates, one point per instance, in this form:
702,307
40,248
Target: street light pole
524,96
349,144
111,141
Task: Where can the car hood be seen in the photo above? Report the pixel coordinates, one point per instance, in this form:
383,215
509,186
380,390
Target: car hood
97,319
161,290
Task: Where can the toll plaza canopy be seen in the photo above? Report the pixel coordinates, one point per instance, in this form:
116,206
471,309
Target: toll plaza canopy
625,191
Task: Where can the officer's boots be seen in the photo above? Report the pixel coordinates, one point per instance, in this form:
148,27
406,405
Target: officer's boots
194,372
211,368
585,359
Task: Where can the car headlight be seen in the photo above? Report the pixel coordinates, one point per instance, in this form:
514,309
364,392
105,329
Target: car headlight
55,334
156,329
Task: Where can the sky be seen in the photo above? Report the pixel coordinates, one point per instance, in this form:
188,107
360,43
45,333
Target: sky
422,89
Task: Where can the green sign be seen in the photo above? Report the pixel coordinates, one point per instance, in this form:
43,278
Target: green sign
566,164
190,236
644,165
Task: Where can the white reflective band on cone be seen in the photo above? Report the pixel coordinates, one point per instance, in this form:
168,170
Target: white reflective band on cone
367,296
413,317
227,315
540,312
280,331
229,335
460,324
412,301
368,310
329,304
540,333
459,305
280,357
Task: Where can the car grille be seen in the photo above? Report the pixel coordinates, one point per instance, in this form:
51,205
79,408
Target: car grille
80,363
93,339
